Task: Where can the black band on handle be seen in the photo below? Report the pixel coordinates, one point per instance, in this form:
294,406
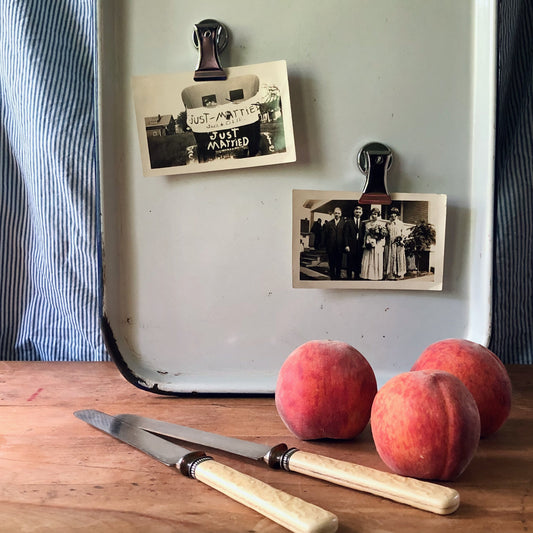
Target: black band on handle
188,463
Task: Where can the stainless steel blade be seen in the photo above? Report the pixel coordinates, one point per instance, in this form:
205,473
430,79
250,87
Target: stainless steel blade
244,448
158,448
291,512
419,494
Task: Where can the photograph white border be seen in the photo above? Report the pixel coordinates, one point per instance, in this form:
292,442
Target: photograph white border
160,95
306,203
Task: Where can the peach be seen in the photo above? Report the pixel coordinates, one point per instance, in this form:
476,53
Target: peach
425,424
480,370
325,389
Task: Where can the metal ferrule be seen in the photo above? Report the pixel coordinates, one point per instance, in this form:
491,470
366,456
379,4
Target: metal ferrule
274,455
278,456
188,463
285,458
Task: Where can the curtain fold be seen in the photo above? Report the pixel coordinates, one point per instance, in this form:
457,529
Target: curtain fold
49,283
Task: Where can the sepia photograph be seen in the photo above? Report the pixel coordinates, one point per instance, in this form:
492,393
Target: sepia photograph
186,126
340,243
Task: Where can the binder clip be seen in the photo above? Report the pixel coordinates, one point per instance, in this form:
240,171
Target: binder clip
374,161
209,37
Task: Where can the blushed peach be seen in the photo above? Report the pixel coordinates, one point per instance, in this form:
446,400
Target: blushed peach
426,425
325,389
480,370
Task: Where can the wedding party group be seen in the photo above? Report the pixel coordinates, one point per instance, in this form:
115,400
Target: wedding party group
370,249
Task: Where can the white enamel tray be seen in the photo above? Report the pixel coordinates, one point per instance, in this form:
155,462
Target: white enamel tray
196,268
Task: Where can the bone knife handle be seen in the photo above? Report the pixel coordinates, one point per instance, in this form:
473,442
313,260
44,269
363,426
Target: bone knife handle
414,492
289,511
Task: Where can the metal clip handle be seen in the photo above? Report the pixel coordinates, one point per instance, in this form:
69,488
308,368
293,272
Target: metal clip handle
209,37
374,160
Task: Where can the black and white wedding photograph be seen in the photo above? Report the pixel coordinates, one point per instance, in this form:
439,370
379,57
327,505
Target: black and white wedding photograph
186,126
341,243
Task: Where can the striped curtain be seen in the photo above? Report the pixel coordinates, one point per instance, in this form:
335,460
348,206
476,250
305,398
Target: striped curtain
512,329
49,284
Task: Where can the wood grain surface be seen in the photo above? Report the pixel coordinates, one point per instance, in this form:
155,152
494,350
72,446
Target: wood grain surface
59,474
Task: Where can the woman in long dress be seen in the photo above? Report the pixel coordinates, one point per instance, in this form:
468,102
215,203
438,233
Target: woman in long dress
374,246
396,262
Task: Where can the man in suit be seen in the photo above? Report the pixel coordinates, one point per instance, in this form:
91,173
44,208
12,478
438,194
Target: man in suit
354,233
335,243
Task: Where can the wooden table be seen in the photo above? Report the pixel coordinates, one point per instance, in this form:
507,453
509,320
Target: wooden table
59,474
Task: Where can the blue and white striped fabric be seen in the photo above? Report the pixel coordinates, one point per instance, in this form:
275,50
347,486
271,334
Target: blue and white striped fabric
49,284
512,329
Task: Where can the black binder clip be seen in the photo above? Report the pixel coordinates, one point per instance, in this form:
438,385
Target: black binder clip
209,38
374,160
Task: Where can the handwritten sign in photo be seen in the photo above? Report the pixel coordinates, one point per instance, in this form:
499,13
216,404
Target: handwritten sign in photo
186,126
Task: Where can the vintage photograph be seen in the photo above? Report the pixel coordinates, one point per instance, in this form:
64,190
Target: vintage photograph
340,243
186,126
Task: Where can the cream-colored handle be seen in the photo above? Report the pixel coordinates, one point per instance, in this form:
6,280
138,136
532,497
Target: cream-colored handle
289,511
421,494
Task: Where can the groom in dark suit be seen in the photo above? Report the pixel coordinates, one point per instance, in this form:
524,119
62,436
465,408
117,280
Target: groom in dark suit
354,234
334,235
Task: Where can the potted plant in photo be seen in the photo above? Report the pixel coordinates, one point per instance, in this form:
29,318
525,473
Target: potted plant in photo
419,240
